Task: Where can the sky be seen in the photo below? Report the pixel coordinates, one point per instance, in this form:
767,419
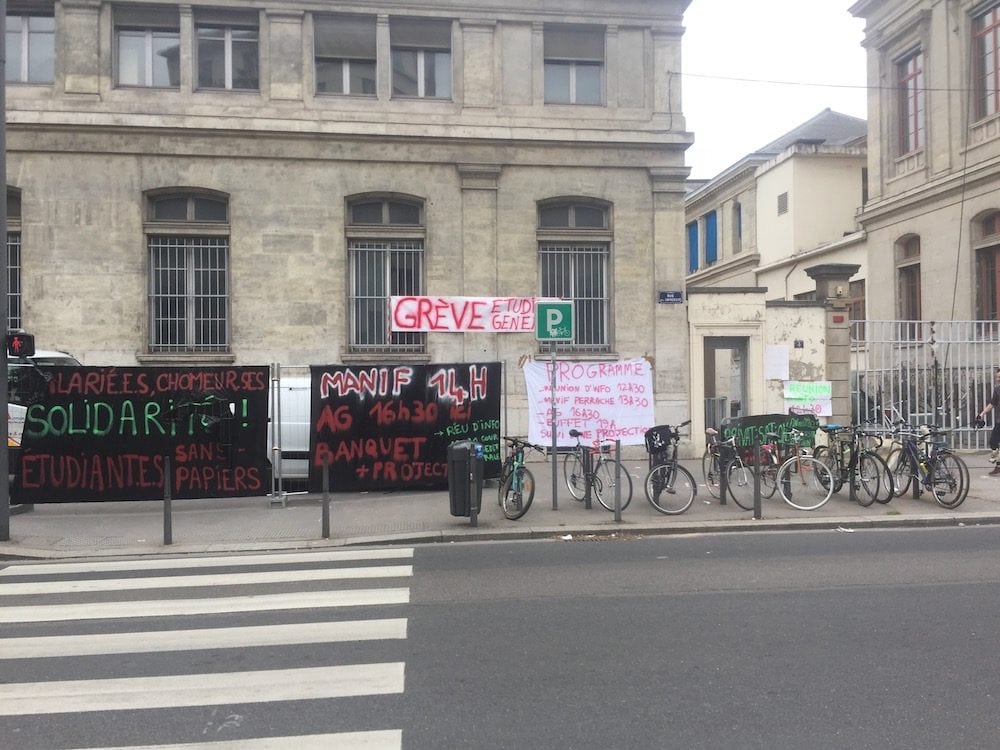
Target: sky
752,71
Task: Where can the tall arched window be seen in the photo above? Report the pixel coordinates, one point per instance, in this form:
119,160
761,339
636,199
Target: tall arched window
908,284
574,246
187,237
986,235
385,242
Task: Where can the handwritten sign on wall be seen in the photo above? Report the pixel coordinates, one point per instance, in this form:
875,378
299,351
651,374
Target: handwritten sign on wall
758,426
603,400
389,427
101,433
809,397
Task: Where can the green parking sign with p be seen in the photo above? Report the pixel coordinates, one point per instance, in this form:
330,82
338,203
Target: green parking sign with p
554,321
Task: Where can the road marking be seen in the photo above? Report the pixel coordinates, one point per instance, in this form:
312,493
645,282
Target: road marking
93,566
36,647
174,691
168,607
218,579
391,739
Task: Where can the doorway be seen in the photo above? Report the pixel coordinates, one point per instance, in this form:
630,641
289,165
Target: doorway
725,378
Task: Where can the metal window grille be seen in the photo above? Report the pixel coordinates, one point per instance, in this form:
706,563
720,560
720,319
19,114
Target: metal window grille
13,280
579,272
189,294
926,372
379,270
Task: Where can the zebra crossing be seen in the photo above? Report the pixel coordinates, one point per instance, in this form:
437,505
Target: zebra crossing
179,637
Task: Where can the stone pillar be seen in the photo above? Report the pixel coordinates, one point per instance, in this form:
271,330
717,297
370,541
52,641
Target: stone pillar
78,46
284,52
478,68
832,283
480,183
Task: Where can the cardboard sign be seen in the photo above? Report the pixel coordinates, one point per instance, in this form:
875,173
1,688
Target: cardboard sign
389,427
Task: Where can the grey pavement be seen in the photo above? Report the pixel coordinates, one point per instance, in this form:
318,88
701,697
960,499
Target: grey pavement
68,530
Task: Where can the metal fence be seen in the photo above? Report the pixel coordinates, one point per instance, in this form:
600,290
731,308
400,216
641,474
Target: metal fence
925,372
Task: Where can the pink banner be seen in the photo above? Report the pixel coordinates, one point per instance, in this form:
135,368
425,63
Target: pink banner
462,314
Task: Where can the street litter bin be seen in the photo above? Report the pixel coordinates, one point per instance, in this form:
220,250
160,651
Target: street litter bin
465,477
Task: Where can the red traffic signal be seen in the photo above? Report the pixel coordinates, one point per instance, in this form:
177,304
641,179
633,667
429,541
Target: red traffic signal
20,345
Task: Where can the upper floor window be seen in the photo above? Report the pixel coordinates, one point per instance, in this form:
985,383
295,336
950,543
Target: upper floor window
737,227
711,238
987,237
692,245
345,55
574,64
574,247
147,47
385,245
986,61
187,241
421,57
912,100
31,45
783,203
227,51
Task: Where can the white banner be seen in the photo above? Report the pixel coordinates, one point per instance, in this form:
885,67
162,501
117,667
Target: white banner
603,400
461,314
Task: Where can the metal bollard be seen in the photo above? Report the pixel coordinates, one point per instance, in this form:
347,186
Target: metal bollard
326,499
756,479
724,473
588,478
618,481
168,529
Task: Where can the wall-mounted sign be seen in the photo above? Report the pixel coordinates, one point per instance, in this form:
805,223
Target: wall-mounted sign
671,298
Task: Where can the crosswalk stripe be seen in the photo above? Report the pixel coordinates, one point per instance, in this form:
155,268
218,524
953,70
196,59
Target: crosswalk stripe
173,691
36,647
220,579
389,739
92,566
168,607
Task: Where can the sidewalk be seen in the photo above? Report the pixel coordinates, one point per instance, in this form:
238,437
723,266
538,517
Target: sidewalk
65,530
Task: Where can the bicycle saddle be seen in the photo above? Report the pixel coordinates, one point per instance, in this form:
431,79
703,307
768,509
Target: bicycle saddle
575,433
831,427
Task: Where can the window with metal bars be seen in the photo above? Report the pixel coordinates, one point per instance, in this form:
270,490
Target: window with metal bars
189,293
381,269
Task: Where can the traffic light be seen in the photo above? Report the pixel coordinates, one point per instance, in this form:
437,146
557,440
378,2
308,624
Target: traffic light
20,345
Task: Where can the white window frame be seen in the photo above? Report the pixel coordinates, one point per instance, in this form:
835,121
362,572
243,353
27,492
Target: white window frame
227,41
23,75
147,35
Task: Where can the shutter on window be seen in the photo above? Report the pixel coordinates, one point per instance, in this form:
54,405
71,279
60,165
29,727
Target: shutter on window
350,37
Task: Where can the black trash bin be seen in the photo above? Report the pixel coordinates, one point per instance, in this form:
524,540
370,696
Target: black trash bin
465,477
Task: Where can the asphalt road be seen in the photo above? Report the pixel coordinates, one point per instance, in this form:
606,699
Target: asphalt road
877,638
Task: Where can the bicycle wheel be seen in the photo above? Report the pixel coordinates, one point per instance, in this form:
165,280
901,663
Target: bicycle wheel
604,484
670,488
946,480
573,473
516,493
902,474
769,476
739,481
805,482
965,474
867,479
887,491
824,454
710,472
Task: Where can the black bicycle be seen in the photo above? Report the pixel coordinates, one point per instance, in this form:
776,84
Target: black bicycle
670,488
604,475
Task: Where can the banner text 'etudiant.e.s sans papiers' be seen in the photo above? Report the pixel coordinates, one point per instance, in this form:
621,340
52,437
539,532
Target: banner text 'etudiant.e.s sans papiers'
389,427
103,433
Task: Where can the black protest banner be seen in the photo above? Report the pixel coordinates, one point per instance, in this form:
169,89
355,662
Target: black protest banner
759,425
102,433
389,427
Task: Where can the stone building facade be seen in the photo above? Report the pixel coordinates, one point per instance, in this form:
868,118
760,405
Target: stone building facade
248,182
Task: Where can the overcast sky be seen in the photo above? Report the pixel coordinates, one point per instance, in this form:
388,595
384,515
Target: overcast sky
755,70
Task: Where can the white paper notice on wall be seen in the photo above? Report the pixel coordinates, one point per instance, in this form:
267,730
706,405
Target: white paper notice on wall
803,397
776,362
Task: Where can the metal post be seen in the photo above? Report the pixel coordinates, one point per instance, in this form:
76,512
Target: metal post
4,426
756,478
724,464
618,480
852,471
555,457
326,498
168,530
588,477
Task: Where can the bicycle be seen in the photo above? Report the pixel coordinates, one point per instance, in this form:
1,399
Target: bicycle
517,483
804,481
923,457
602,474
670,488
847,453
740,466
